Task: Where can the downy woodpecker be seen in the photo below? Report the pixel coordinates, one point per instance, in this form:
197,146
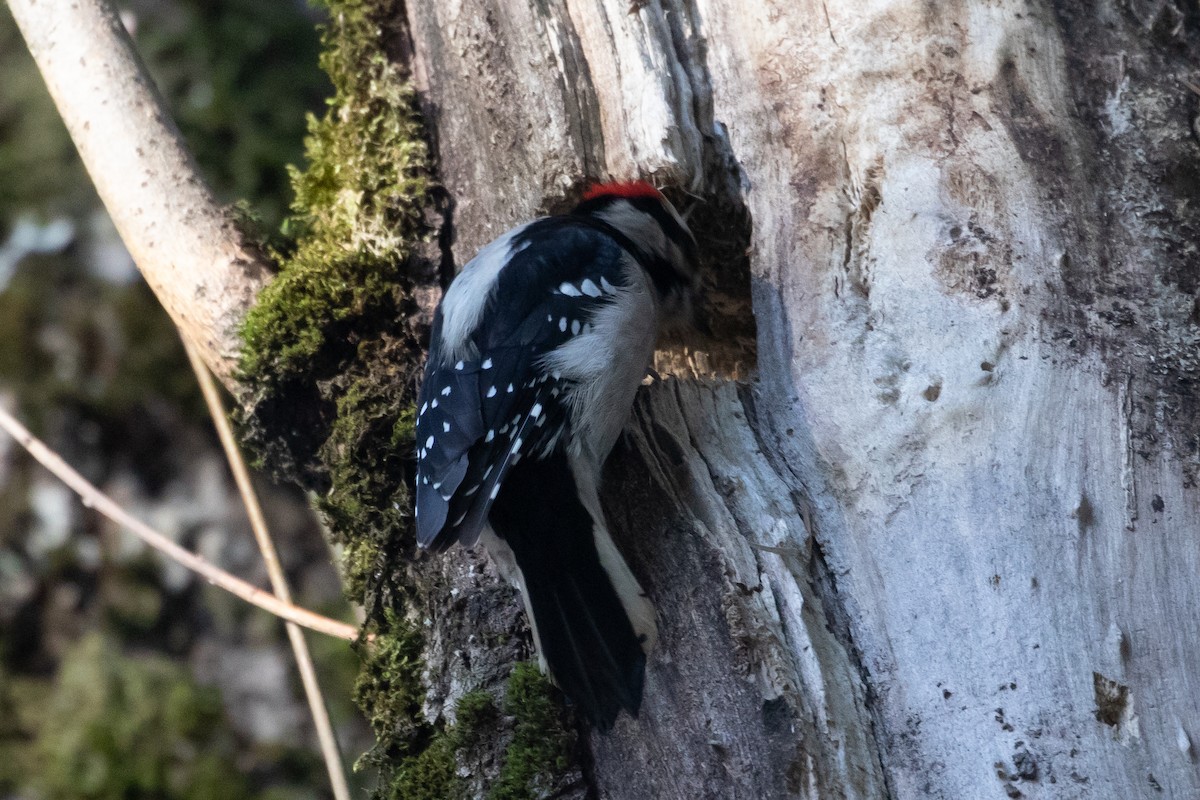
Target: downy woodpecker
537,350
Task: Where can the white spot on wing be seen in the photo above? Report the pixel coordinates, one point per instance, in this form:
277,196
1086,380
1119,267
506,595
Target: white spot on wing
510,388
429,443
459,365
575,327
495,491
569,289
517,444
487,363
434,403
536,410
608,287
491,434
562,324
491,392
445,427
589,288
446,392
468,493
423,407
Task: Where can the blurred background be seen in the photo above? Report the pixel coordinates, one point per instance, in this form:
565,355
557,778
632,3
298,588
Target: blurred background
121,675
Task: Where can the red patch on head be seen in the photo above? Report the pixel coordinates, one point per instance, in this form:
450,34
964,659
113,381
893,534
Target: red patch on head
626,189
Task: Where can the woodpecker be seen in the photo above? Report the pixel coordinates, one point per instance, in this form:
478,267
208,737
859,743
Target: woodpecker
537,350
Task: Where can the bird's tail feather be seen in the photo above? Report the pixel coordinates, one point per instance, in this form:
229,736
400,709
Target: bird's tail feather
581,622
590,648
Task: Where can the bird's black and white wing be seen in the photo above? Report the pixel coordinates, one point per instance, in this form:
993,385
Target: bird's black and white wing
489,398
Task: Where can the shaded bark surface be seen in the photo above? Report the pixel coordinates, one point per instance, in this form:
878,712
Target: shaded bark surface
943,543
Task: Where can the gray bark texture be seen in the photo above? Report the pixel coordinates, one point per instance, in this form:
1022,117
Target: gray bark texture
931,530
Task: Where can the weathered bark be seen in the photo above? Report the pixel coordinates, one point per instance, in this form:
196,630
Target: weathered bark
184,242
974,276
943,545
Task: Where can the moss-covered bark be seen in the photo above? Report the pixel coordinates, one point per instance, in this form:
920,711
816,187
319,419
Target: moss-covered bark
332,353
331,350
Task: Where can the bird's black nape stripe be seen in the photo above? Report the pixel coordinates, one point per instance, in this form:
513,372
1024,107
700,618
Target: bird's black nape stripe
586,636
661,273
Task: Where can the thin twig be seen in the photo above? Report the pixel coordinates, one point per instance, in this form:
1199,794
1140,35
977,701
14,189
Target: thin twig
258,522
94,498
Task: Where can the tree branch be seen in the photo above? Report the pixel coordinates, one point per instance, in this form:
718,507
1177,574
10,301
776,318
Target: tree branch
184,242
94,498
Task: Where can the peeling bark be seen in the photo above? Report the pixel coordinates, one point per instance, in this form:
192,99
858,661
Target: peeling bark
971,235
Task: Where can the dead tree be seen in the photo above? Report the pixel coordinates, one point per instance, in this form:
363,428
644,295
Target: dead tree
920,516
941,540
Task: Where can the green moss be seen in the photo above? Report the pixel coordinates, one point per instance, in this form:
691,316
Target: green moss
425,761
432,774
332,354
418,761
330,350
358,205
475,715
389,688
542,742
364,454
427,776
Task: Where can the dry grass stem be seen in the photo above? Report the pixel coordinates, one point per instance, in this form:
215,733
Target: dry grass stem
94,498
266,545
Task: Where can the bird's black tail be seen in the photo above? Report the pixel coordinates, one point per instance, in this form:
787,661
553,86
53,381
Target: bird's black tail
579,620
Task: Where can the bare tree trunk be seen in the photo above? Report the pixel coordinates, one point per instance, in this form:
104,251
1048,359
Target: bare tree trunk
971,234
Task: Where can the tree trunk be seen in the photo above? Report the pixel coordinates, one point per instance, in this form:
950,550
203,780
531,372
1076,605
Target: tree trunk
943,543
